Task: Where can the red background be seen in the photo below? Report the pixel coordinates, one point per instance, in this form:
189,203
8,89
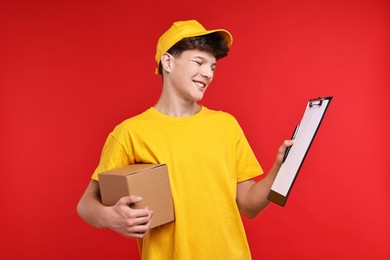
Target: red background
71,70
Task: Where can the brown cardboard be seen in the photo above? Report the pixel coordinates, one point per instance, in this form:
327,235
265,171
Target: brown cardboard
150,181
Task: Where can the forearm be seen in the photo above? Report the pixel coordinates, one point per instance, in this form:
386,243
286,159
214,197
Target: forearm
251,195
256,197
90,208
120,217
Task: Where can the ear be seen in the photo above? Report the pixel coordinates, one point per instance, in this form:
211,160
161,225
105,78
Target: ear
166,62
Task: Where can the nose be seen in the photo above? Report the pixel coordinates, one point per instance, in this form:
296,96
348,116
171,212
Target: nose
208,72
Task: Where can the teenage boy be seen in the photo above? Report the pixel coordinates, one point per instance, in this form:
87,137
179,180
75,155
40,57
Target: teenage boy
211,165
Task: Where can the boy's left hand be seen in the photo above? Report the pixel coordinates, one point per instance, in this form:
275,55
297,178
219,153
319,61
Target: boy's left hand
282,150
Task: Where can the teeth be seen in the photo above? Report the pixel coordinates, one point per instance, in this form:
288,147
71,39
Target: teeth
200,84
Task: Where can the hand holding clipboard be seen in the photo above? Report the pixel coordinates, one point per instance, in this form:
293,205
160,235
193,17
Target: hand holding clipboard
292,138
294,156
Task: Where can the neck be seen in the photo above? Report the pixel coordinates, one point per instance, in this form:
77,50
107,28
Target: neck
177,109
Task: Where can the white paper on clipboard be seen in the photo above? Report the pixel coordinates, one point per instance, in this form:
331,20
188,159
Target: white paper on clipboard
312,118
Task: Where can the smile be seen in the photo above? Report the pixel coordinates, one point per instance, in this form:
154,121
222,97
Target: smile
200,84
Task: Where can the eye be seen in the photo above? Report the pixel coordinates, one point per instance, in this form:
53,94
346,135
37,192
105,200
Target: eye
197,62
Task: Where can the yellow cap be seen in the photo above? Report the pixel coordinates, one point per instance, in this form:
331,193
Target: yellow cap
184,29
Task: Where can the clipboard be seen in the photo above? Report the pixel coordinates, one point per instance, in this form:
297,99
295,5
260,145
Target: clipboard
295,156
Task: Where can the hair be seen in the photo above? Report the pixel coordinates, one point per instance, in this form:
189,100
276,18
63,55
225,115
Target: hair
213,43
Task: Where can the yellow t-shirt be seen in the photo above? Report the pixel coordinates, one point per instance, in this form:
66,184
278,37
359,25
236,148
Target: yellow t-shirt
207,154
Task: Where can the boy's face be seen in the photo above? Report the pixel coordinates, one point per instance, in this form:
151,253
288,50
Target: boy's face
191,73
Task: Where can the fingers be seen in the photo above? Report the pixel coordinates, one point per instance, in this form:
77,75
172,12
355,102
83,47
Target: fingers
288,143
133,213
131,222
137,228
128,200
283,149
285,145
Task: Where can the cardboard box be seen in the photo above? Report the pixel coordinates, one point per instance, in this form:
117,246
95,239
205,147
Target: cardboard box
150,181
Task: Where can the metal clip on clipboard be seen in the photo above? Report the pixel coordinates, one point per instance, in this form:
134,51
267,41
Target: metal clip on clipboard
316,102
293,161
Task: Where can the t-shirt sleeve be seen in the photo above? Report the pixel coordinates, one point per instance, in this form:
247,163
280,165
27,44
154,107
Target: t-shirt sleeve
113,156
248,166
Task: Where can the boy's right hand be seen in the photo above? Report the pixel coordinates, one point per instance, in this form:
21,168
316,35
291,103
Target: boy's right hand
133,223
